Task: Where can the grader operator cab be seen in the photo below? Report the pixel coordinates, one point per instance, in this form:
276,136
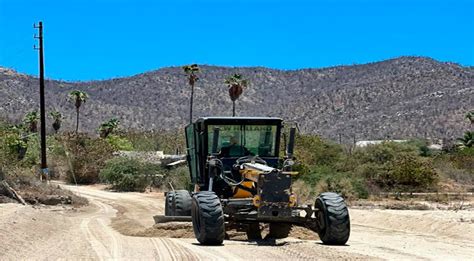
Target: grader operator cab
240,182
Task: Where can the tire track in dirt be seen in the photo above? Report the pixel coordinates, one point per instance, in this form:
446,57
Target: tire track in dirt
173,250
116,248
156,249
162,247
99,230
182,252
96,245
208,253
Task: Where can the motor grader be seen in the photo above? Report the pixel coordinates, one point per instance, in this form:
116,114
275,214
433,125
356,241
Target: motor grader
241,183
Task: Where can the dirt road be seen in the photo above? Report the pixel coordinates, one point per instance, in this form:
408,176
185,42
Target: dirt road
120,226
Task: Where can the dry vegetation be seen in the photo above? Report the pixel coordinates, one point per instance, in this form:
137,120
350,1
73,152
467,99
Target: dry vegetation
323,166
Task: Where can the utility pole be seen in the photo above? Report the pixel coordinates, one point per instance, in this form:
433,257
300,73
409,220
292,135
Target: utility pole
44,166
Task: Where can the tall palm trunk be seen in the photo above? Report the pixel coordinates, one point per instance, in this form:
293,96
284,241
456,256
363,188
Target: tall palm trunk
191,105
77,119
233,108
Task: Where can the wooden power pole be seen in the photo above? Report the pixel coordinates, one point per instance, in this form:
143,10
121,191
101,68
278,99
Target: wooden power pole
44,166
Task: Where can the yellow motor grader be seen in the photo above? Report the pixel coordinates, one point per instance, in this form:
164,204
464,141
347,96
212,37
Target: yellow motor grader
240,182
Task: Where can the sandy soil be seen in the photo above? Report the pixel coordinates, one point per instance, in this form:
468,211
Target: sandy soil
120,226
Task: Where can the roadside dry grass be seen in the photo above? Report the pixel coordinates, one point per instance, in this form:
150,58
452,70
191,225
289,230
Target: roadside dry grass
49,194
35,192
431,201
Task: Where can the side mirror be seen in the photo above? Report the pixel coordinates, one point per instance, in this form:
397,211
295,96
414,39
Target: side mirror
291,143
215,140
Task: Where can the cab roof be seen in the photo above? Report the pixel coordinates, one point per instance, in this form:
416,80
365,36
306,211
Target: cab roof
239,120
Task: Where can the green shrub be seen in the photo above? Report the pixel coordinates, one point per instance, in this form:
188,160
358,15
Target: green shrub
312,150
119,143
126,174
411,172
33,153
370,171
315,174
341,185
325,178
395,166
17,146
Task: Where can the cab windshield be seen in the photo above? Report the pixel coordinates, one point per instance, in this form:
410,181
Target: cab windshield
244,140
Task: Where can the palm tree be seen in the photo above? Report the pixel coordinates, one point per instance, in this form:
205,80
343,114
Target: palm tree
470,116
468,139
57,118
108,127
190,71
78,97
236,84
31,119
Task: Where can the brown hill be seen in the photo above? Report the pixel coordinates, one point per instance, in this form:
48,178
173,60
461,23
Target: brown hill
397,98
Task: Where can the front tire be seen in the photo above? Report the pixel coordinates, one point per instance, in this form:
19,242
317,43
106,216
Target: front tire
333,219
208,218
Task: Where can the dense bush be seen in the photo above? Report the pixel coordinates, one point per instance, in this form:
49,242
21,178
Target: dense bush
125,174
312,150
387,166
323,166
325,178
411,171
395,166
85,157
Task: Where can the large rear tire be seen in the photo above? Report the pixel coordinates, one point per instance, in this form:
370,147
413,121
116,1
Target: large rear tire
182,203
279,230
333,219
208,218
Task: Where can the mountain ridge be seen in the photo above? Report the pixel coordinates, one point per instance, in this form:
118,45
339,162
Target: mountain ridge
244,67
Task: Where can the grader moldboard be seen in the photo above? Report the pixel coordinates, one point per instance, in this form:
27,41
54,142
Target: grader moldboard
241,183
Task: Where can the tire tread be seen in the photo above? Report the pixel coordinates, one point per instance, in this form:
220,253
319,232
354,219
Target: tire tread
337,228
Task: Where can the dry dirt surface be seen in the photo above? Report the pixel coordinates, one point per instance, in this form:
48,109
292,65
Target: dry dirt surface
119,226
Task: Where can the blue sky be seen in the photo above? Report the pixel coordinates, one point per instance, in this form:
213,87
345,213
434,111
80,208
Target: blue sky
102,39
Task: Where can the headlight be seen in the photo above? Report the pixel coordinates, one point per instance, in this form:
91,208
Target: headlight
293,200
256,201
